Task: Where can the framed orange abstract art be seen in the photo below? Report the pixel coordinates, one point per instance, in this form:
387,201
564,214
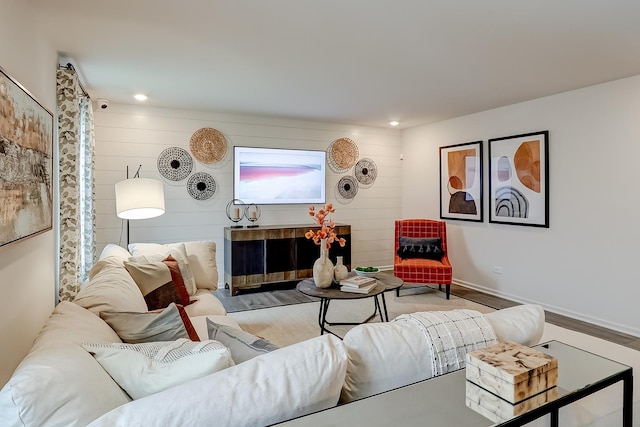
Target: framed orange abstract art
519,179
461,181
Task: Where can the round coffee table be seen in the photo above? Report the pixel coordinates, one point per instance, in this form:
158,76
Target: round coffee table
386,282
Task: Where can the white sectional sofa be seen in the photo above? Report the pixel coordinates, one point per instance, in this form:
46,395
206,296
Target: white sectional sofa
61,383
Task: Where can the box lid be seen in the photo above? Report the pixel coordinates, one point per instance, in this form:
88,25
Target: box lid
511,362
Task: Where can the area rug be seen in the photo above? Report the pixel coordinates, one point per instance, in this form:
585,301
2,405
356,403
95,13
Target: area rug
285,325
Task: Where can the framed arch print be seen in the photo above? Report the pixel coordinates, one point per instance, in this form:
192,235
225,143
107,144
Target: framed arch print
519,179
461,182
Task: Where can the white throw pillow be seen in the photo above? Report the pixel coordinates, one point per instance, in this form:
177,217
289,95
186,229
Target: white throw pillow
58,383
287,383
113,250
204,303
523,324
147,368
111,288
202,256
384,356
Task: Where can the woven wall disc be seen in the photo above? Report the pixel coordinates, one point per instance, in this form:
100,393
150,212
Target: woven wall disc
342,155
201,186
175,163
347,187
366,172
208,145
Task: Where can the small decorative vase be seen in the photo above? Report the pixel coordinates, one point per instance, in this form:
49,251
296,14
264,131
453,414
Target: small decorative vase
340,271
323,267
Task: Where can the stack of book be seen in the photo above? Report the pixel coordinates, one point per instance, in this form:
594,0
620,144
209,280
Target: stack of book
358,284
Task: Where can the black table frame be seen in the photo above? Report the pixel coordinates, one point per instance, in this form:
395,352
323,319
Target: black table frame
379,309
324,307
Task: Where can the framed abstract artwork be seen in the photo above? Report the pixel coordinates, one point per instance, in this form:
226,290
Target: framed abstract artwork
461,181
519,179
26,163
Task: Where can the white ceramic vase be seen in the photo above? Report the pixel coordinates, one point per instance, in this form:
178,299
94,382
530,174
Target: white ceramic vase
323,267
340,271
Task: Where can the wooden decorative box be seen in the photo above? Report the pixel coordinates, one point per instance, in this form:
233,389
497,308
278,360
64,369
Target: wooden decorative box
499,410
512,371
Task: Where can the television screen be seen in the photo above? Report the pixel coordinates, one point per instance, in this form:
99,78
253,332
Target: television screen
271,176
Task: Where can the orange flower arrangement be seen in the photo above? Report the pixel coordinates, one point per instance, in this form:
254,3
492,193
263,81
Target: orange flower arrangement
326,230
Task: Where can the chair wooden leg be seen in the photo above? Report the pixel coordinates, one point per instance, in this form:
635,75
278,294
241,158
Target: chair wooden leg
397,292
448,290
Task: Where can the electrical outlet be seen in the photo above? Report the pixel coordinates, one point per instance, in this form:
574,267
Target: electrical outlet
497,270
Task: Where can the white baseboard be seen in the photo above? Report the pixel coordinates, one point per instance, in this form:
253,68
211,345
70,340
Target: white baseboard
552,308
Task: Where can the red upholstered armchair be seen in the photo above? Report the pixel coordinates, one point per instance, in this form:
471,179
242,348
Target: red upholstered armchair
419,270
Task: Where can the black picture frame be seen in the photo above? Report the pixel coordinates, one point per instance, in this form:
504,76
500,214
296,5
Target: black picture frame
461,182
519,179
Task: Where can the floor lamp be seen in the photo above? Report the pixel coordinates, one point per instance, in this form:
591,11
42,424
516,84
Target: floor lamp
139,198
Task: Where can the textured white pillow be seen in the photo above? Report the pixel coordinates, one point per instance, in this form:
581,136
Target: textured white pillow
293,381
147,368
384,356
59,383
154,252
523,324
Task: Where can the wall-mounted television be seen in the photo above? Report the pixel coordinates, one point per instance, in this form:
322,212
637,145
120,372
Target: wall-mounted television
273,176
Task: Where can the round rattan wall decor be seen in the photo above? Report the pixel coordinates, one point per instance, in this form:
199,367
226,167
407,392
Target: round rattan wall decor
201,186
342,155
346,188
208,145
365,172
175,163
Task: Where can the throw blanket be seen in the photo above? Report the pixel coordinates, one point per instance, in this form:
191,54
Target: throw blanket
451,335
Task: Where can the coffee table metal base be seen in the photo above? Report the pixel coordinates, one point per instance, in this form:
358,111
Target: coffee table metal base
386,281
324,307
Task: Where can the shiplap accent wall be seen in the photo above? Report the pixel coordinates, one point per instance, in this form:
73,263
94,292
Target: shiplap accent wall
129,135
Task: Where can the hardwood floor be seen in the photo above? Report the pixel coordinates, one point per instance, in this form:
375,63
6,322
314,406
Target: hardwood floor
276,295
264,297
553,318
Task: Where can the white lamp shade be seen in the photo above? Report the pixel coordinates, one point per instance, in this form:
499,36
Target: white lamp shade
139,198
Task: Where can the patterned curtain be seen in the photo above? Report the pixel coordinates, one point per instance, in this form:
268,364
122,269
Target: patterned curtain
75,140
88,190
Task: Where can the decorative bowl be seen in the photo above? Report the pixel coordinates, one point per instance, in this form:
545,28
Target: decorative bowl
367,273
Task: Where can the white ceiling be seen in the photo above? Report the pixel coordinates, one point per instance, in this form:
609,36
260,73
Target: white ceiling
361,62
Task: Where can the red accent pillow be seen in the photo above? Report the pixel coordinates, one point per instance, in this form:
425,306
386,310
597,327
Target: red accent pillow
193,335
176,277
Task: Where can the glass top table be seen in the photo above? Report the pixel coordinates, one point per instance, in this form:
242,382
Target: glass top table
440,401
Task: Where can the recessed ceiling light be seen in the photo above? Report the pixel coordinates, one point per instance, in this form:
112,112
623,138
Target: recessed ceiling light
140,96
394,123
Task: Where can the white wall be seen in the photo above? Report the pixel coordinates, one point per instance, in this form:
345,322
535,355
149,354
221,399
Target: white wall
27,268
134,135
585,264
